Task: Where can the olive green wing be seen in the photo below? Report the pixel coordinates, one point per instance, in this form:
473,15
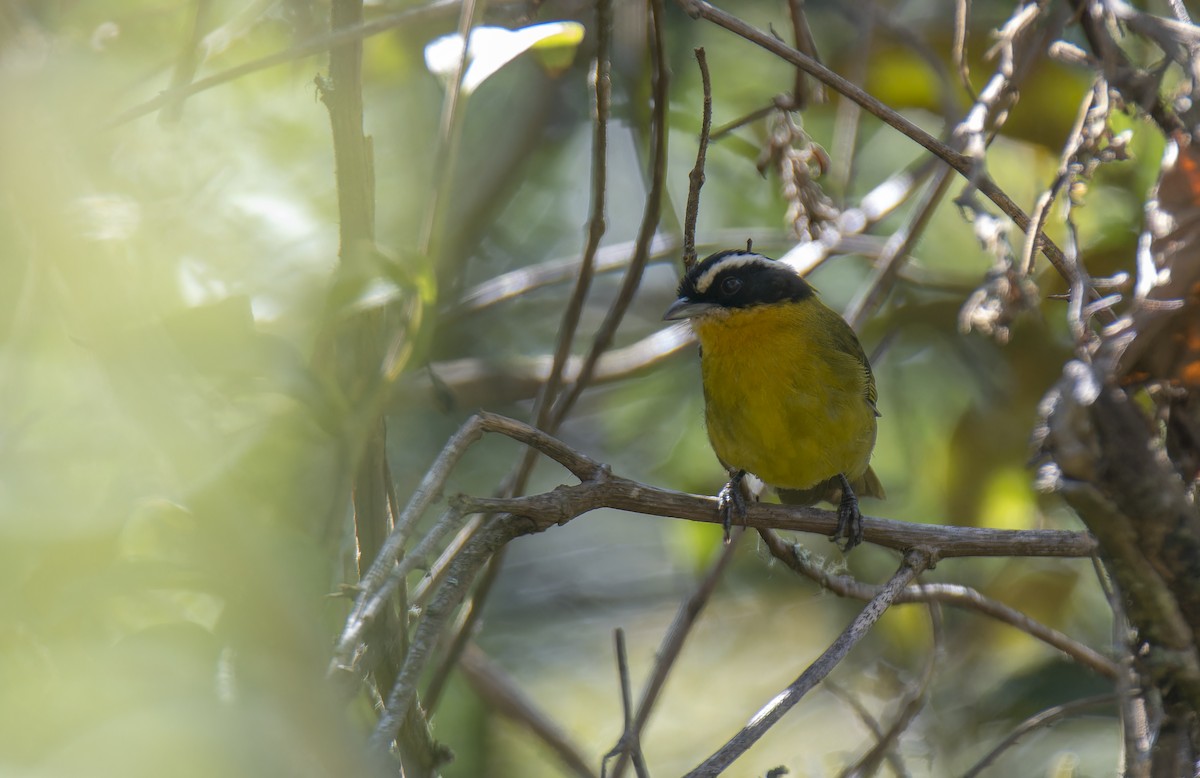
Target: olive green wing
847,341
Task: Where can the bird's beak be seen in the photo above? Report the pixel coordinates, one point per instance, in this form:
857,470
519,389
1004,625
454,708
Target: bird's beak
684,308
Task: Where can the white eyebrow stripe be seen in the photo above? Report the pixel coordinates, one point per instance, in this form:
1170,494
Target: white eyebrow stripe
731,261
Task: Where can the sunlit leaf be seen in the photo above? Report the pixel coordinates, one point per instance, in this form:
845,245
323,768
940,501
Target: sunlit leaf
491,48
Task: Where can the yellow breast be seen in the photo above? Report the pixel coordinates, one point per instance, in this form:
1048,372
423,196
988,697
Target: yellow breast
784,397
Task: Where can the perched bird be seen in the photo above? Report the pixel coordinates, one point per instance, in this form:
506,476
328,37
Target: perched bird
788,392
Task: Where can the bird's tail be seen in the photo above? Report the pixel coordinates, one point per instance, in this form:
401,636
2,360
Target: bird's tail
866,485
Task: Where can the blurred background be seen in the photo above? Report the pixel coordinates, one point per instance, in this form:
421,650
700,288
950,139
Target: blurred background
174,500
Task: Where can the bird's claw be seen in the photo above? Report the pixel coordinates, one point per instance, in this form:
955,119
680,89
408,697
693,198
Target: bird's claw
849,520
730,501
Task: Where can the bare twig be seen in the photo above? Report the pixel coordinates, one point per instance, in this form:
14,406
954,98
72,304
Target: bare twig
435,576
742,121
1074,140
401,699
596,224
614,256
949,594
915,562
896,250
650,218
869,721
802,34
630,743
677,633
502,694
962,9
523,280
696,177
342,94
360,343
464,631
1137,738
1046,718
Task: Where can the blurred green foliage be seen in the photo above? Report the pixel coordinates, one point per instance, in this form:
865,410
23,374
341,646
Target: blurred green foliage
174,465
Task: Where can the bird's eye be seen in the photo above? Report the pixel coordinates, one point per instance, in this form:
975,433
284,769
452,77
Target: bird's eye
730,286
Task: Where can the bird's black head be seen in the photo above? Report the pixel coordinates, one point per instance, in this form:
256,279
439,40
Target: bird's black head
736,279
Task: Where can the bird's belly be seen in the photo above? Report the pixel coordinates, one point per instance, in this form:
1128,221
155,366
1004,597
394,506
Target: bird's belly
790,430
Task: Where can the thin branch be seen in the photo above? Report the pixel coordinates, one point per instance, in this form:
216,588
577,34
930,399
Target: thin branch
915,562
361,342
805,42
523,280
1075,140
962,9
1046,718
741,121
436,615
949,594
630,744
464,631
897,249
475,381
501,693
677,633
436,574
650,218
596,224
868,721
696,177
1137,738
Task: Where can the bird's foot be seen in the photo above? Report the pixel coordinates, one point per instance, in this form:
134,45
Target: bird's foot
730,501
849,525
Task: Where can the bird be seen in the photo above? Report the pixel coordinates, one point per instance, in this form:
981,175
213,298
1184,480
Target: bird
789,395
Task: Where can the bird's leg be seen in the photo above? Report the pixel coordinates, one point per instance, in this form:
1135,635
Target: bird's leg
849,524
730,501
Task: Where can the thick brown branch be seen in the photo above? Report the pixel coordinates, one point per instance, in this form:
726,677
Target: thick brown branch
567,502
